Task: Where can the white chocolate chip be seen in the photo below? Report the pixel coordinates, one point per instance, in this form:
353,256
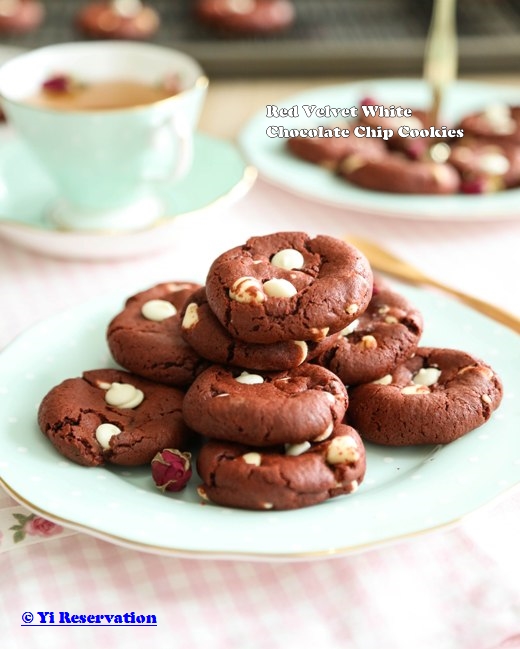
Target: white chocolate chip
350,328
415,389
249,379
368,342
304,349
222,394
486,399
202,493
383,309
158,310
247,290
426,376
498,116
390,319
354,485
351,309
352,163
319,334
279,288
123,395
297,449
288,259
384,380
241,6
173,287
105,432
440,152
487,372
440,172
326,433
342,449
330,397
267,505
191,316
103,385
494,164
252,458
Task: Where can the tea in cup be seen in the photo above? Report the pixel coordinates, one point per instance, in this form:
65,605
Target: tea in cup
110,122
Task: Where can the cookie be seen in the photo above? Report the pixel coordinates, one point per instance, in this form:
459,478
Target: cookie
497,123
330,151
398,174
288,286
21,16
281,478
303,404
485,166
242,17
386,334
146,339
201,329
126,19
111,416
433,398
414,148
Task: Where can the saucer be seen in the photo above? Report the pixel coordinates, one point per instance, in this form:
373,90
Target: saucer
219,176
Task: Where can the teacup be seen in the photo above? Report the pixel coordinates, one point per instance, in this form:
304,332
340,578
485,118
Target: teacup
108,163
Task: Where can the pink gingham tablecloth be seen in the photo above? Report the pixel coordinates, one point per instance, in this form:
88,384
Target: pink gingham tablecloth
457,588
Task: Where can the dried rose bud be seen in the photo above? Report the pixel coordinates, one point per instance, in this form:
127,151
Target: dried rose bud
368,101
172,84
415,150
171,469
473,186
481,185
58,84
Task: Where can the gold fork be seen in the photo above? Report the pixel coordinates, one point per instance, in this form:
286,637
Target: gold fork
386,262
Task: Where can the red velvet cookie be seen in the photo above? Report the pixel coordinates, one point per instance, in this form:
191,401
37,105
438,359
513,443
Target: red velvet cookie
263,409
146,339
433,398
398,174
202,330
330,151
127,19
288,286
246,16
485,166
21,16
111,416
414,148
235,475
385,335
498,123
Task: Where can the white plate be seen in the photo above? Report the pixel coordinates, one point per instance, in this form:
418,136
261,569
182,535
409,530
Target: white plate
219,176
406,491
277,165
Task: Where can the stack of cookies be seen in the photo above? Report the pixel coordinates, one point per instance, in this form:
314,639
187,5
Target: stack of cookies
271,368
275,420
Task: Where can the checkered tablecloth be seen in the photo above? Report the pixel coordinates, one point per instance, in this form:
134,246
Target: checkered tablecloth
453,589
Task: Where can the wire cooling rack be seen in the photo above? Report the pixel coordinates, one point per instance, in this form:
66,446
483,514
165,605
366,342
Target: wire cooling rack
328,37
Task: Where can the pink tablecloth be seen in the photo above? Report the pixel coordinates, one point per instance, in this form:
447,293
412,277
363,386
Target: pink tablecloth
454,589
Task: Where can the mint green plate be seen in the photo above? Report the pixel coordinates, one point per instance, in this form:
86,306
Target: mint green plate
276,165
219,176
406,490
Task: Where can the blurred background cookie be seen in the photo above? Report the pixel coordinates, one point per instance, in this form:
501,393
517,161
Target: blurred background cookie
20,16
246,16
128,19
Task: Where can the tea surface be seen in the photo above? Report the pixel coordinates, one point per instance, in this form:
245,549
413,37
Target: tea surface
103,95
